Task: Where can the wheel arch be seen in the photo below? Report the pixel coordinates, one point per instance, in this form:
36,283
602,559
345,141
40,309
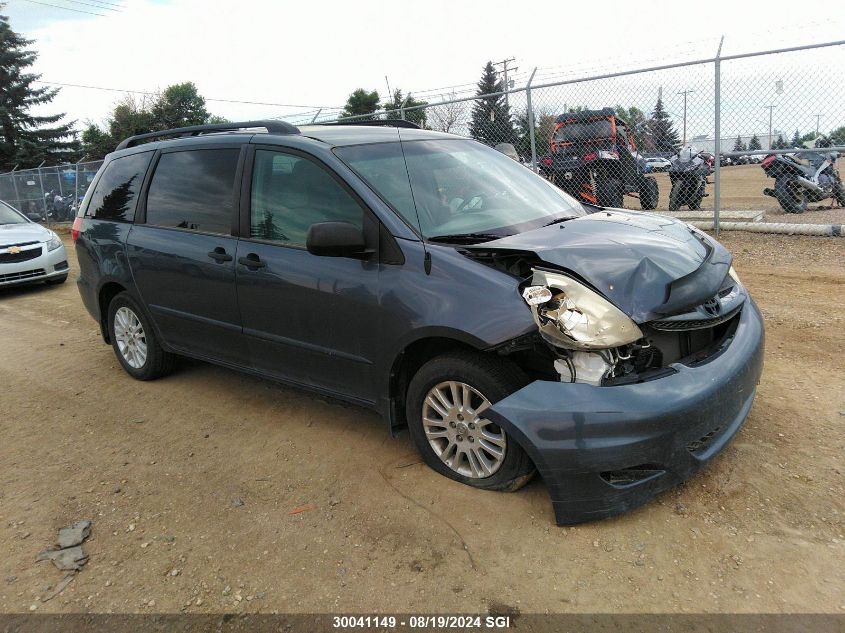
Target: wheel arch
107,292
413,356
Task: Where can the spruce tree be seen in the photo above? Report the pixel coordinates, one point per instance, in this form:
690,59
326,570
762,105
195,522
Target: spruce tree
739,146
27,140
754,144
393,108
491,118
796,139
662,131
779,143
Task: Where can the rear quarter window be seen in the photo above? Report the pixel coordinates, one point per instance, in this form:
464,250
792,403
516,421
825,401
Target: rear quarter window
116,192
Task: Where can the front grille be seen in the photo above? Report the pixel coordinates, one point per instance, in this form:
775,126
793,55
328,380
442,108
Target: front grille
696,446
22,256
21,244
25,274
694,324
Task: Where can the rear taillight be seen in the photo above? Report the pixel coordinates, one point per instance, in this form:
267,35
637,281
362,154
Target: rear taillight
590,156
76,228
767,161
546,161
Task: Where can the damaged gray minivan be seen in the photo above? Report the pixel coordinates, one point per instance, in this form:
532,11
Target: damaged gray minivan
511,328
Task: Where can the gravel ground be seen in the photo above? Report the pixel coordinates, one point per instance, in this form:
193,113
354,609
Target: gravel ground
212,491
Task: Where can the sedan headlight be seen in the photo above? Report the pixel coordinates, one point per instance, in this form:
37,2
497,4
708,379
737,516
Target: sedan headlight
54,242
572,316
734,276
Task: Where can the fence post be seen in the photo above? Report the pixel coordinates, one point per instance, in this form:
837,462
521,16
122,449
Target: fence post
717,191
316,115
76,187
43,197
531,122
17,194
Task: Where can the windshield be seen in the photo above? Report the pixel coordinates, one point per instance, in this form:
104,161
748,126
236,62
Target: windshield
9,216
459,187
580,132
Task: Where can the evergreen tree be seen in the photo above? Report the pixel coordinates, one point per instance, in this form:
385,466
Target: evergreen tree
361,102
739,146
393,108
662,131
491,119
779,143
637,124
796,139
754,144
27,139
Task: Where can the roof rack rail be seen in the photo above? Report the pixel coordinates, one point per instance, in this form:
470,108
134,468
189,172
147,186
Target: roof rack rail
377,122
272,127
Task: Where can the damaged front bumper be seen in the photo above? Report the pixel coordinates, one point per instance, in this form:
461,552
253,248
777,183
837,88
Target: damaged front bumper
606,450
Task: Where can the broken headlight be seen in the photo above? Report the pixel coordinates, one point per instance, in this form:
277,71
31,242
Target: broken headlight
571,316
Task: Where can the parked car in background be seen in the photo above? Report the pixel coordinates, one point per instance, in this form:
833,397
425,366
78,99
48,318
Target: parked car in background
29,252
655,163
433,279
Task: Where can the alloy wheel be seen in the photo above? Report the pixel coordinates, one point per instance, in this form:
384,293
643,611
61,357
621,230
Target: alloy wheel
130,337
457,431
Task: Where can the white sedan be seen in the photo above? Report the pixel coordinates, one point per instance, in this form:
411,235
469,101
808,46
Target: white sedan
657,163
28,251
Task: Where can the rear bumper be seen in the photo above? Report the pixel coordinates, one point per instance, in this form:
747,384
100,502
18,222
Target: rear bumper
606,450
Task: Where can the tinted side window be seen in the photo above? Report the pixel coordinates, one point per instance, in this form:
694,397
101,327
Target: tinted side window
290,193
116,193
194,190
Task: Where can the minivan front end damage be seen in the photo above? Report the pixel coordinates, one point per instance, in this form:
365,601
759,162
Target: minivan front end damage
645,361
603,450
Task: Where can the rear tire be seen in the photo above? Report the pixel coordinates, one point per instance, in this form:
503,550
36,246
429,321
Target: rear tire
839,193
649,193
134,341
791,198
610,193
447,447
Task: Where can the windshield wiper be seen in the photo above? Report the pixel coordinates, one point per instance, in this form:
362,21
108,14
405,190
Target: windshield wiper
466,238
558,221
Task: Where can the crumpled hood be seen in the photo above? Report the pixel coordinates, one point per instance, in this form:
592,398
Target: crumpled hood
17,233
647,265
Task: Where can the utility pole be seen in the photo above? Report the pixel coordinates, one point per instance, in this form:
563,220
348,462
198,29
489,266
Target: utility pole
685,93
770,108
504,64
818,119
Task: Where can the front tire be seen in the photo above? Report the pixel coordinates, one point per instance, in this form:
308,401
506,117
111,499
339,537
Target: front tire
134,342
55,281
445,410
791,198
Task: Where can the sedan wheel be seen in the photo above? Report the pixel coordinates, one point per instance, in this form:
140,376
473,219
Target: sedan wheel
130,337
458,432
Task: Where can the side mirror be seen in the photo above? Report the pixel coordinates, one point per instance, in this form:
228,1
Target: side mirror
335,239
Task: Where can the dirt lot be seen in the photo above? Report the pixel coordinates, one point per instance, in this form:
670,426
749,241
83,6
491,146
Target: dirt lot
211,491
742,188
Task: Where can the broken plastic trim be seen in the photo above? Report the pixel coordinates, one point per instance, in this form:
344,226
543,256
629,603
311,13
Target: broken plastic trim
571,316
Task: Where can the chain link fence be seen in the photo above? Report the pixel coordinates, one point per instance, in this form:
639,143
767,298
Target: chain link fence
689,138
50,195
732,138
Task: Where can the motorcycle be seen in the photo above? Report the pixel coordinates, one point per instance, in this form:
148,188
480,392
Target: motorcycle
803,177
688,172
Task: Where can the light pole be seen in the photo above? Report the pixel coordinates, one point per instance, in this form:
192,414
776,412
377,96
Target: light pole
685,93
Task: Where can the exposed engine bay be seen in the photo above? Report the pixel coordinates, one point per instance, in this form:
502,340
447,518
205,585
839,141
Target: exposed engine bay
584,338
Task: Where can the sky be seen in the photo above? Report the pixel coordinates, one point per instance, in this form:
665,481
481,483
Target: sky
290,61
